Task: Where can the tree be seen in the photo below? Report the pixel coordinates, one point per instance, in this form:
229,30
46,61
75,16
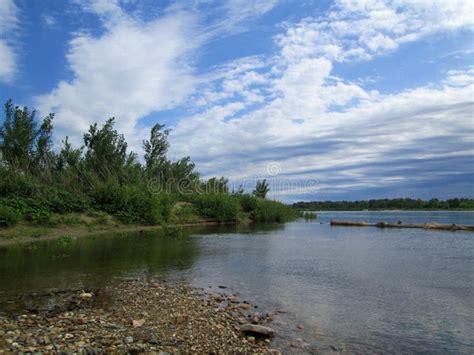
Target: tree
156,148
22,145
261,189
68,157
216,185
106,152
44,155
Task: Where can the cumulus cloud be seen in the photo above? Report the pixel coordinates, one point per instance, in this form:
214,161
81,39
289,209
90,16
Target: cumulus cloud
131,70
8,24
360,30
320,127
137,66
287,107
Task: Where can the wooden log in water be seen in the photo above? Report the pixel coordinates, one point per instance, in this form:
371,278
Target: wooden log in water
431,225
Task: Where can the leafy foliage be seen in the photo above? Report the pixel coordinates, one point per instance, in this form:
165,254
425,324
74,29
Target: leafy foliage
103,176
8,216
272,211
221,207
261,189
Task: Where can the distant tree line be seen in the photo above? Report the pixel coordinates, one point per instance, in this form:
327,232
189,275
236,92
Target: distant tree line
388,204
103,175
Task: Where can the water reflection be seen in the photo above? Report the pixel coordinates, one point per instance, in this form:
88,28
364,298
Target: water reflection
361,289
92,261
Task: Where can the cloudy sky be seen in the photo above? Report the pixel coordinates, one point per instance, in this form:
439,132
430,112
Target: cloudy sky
328,100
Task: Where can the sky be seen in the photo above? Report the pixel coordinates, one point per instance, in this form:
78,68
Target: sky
326,100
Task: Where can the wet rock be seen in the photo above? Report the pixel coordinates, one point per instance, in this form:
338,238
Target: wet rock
179,319
245,306
258,330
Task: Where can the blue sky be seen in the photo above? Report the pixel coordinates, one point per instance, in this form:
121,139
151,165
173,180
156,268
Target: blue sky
327,100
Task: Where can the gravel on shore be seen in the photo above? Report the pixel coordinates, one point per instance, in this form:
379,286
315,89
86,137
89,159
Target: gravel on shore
132,317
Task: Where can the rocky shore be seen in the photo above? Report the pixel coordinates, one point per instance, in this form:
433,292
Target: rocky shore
135,316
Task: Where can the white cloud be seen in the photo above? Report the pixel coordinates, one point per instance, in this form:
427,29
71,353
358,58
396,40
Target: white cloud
287,107
8,24
49,20
322,127
237,13
359,30
131,70
137,67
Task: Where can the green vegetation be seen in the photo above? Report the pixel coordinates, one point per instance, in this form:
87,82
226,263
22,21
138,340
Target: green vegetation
308,215
8,216
388,204
102,182
261,189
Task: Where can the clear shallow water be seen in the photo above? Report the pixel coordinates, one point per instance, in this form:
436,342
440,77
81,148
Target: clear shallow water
363,289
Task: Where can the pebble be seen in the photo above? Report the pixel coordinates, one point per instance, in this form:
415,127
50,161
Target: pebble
179,319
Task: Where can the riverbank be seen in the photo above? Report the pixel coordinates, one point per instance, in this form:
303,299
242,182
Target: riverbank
24,233
135,316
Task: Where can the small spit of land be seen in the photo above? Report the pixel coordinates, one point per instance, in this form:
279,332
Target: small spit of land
432,226
135,316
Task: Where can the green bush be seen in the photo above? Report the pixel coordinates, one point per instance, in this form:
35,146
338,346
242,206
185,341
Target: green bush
184,212
30,209
132,204
308,215
8,216
272,211
61,201
221,207
248,203
14,183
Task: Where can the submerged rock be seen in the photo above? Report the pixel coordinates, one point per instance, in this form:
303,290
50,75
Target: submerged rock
258,330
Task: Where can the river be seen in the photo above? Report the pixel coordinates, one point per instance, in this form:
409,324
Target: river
359,289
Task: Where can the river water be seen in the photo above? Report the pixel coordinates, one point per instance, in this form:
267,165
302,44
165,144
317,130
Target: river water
365,290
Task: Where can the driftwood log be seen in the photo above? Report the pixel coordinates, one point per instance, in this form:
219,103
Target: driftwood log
432,225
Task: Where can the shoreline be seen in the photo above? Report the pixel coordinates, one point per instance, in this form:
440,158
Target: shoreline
22,234
136,316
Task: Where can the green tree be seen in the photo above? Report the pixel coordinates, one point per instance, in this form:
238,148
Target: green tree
68,157
22,145
261,189
44,156
155,149
106,150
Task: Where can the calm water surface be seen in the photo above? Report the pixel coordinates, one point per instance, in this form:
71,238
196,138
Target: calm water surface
361,289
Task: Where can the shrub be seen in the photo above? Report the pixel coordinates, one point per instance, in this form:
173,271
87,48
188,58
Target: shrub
14,183
222,207
307,215
8,216
272,211
132,204
29,209
184,212
248,203
61,201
